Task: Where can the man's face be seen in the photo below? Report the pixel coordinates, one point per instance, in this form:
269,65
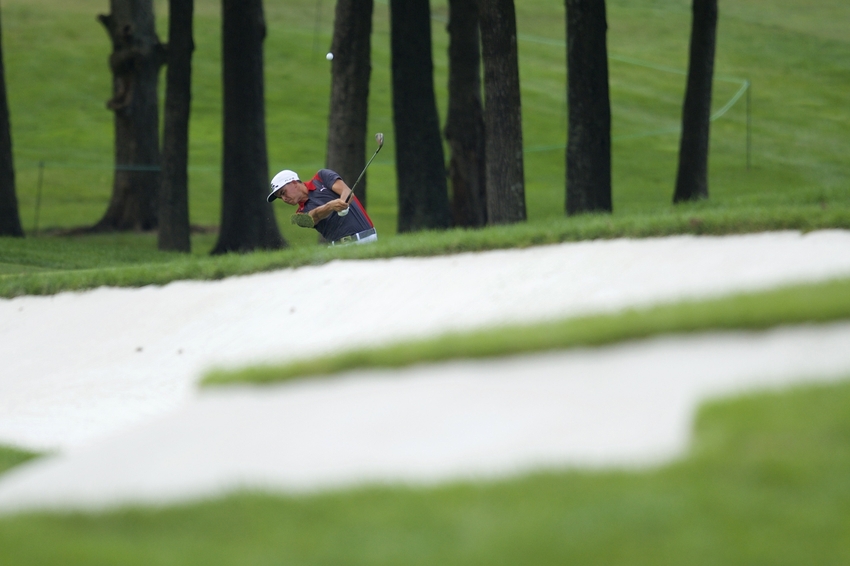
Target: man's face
291,193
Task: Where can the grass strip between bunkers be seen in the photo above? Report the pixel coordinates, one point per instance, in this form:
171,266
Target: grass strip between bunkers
11,456
798,304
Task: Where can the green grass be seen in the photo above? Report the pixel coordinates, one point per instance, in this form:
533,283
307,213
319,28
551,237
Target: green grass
800,304
11,457
800,178
767,481
38,266
795,53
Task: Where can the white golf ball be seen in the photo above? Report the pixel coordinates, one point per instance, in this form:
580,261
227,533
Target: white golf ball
329,56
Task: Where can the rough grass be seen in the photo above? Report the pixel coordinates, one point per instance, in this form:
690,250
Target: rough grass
47,266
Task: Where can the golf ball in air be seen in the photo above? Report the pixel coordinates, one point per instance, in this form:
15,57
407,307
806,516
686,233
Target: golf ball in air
329,56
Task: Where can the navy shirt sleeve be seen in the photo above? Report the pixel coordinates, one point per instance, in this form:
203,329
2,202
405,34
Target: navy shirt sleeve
328,177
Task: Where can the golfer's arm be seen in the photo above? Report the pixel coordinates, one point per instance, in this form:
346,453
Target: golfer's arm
321,212
341,189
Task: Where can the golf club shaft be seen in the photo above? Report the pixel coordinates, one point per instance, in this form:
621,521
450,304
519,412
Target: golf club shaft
380,145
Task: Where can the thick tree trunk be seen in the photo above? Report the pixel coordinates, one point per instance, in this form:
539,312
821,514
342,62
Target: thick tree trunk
589,138
502,113
465,122
10,221
135,61
350,71
247,219
423,201
692,176
174,192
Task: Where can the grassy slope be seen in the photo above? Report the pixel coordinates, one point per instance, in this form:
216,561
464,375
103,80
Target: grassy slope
55,59
58,82
49,265
767,482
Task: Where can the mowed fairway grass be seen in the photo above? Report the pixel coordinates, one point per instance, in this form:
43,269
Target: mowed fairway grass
767,480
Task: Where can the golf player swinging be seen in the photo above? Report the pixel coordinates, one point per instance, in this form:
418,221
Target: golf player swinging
325,203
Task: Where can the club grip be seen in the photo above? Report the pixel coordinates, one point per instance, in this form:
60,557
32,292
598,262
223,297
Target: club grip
347,201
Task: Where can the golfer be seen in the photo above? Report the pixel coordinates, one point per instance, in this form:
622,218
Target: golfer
324,199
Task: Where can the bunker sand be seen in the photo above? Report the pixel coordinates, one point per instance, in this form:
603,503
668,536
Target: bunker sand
107,378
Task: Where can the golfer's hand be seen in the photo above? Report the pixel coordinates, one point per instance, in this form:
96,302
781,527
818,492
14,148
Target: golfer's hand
329,208
338,205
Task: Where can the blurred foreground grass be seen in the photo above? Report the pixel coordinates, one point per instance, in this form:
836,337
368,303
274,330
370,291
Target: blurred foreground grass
767,481
11,457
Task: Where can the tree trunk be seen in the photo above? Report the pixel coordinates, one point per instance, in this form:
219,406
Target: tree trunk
502,113
10,221
423,201
692,176
247,219
589,137
465,122
350,71
174,192
135,61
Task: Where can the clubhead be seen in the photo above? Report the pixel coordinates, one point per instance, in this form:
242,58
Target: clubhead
380,139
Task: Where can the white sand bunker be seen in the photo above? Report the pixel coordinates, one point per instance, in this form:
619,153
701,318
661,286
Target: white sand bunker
627,405
102,375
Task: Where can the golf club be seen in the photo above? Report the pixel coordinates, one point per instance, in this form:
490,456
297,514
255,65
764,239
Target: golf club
379,137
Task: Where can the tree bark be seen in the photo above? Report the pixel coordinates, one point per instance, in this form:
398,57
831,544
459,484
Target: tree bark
136,58
174,192
351,68
502,113
692,175
588,154
423,201
464,129
10,221
247,219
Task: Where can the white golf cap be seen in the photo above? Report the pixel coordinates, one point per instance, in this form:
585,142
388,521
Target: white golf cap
279,180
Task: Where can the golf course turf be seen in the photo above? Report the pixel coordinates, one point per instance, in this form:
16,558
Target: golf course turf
767,479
